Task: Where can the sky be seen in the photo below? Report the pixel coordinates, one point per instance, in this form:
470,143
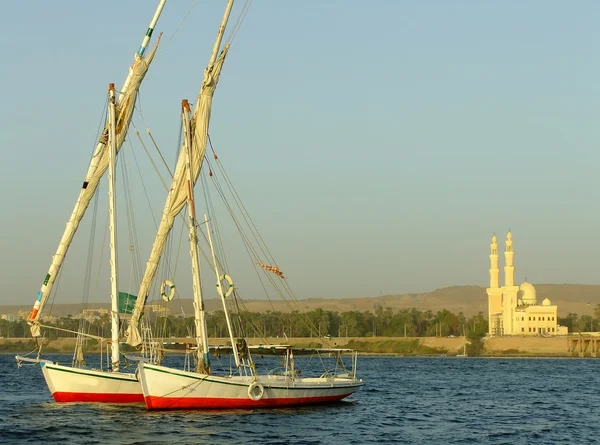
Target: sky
377,145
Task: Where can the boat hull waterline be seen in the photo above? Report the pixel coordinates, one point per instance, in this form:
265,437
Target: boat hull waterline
168,388
68,384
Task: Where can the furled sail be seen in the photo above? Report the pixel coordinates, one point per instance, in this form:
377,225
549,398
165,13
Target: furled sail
178,192
97,168
177,196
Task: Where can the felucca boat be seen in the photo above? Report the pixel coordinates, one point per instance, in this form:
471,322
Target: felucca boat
242,386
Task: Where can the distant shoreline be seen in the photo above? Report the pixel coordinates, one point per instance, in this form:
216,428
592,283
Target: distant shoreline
501,347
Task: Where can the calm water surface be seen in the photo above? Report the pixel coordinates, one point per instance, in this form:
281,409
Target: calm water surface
405,400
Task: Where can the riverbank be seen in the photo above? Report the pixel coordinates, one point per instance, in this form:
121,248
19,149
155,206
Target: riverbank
400,346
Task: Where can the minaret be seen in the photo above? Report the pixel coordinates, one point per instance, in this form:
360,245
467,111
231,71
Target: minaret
509,290
494,292
494,271
509,267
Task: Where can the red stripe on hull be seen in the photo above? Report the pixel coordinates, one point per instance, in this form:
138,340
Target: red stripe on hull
97,397
155,402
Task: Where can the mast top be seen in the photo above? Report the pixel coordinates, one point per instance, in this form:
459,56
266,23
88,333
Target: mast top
111,87
148,35
185,105
217,46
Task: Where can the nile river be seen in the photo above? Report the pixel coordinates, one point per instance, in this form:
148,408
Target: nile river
438,400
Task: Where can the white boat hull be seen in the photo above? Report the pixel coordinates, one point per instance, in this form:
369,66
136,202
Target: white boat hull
168,388
68,384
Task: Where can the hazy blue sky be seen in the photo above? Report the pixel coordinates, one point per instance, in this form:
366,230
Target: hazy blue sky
378,144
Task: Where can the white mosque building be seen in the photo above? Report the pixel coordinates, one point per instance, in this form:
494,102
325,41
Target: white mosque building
514,310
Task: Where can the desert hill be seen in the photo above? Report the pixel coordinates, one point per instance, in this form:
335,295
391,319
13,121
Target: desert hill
577,298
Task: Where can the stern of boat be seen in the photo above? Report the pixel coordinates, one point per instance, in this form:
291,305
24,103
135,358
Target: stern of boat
68,384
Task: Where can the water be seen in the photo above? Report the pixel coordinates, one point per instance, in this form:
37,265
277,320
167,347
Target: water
406,400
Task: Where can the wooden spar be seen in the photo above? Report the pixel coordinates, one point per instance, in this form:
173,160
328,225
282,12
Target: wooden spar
179,189
153,22
83,200
222,295
143,47
199,315
112,211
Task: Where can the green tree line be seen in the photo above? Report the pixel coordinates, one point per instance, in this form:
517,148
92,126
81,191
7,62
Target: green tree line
382,322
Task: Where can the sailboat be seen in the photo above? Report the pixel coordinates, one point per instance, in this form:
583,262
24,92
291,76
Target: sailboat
76,383
242,387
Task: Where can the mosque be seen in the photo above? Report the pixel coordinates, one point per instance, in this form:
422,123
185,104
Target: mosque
513,310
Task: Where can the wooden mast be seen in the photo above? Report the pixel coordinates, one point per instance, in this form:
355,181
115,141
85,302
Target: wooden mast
112,212
203,364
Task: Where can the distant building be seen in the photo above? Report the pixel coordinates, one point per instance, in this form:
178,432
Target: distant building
158,309
94,314
23,315
49,318
513,310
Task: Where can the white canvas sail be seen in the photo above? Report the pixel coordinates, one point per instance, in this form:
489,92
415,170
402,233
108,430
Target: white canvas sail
178,193
97,168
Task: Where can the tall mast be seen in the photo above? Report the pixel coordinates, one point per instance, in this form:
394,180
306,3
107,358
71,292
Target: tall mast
150,30
199,314
214,54
112,212
220,33
143,45
97,167
178,191
222,295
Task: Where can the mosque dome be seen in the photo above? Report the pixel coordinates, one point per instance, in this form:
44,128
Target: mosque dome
546,302
527,293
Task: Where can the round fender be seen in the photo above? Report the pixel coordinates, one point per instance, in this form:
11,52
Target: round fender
256,391
229,291
171,294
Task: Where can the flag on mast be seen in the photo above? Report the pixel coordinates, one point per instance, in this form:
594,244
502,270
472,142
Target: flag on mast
273,269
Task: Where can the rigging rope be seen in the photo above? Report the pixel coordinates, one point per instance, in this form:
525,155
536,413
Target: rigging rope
151,160
239,21
134,247
144,185
181,23
259,240
159,152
